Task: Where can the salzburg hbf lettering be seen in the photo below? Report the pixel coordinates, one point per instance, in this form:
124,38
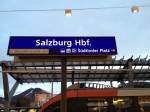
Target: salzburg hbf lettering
54,42
69,44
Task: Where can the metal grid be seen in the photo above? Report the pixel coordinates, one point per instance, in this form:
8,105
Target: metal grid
116,70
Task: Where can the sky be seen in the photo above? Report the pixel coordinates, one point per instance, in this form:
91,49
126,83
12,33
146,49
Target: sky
132,31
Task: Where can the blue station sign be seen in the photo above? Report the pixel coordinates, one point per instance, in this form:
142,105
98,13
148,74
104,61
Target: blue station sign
51,45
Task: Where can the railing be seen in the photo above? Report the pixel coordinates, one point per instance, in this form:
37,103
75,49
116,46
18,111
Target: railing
94,85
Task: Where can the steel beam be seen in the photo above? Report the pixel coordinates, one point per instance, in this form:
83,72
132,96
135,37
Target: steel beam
52,89
96,71
13,90
72,80
131,75
135,105
6,87
63,102
111,83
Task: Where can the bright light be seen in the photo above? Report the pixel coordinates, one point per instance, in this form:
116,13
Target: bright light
95,108
135,9
32,110
68,12
105,103
117,101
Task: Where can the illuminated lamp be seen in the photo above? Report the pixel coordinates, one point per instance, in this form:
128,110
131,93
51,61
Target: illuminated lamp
135,9
68,12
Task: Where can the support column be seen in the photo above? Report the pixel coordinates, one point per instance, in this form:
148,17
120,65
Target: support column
52,90
135,107
5,87
111,107
11,93
131,75
72,80
111,83
123,84
63,102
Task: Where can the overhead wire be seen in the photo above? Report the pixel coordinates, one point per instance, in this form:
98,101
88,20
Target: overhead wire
73,9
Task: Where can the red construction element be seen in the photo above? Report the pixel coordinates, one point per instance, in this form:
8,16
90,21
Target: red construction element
81,93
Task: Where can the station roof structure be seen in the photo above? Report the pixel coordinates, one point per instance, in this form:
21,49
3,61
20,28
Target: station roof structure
116,70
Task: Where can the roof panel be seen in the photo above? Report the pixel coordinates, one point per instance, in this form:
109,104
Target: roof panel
83,71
